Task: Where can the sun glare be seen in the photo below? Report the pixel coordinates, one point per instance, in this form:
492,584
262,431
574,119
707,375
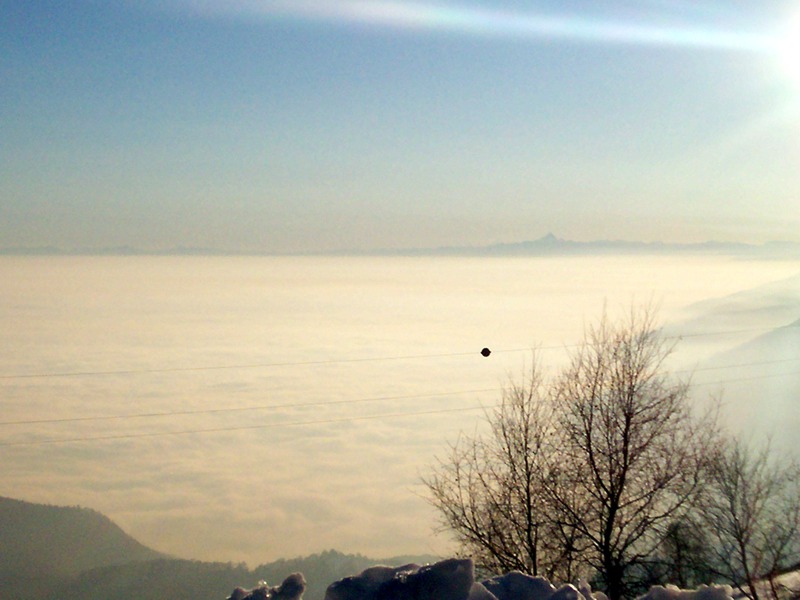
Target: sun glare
789,50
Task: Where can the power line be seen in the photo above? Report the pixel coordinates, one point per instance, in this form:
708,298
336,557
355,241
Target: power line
232,367
737,365
64,374
363,400
240,408
287,424
241,428
740,379
714,333
367,400
322,403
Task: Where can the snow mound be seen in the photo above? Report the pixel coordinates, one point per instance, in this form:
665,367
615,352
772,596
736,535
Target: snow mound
454,579
451,579
704,592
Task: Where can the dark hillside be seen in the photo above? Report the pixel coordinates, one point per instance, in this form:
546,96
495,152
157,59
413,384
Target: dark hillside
72,553
193,580
37,540
156,580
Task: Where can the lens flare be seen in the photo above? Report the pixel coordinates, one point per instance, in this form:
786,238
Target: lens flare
788,51
491,22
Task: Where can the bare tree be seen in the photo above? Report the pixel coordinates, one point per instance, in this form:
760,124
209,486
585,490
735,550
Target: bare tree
488,490
586,472
633,453
752,509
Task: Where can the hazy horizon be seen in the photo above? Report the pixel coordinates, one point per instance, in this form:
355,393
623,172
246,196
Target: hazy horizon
549,244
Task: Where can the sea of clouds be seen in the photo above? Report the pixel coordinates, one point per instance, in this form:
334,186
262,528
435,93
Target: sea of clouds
318,390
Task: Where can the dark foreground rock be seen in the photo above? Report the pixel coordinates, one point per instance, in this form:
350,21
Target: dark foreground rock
454,579
451,579
292,588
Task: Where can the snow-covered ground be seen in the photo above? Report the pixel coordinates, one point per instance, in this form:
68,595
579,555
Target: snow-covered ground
454,579
787,586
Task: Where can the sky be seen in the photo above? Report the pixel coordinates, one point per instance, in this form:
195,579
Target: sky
309,126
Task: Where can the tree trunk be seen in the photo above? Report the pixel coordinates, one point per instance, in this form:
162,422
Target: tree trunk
614,585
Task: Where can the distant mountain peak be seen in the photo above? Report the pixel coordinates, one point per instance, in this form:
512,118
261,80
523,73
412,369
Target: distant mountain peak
548,239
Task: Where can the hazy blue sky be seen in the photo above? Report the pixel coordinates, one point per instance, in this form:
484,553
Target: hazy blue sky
300,125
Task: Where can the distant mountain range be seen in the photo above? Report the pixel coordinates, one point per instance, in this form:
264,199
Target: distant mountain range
74,553
549,245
